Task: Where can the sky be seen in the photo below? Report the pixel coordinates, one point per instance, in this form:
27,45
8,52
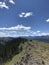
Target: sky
24,18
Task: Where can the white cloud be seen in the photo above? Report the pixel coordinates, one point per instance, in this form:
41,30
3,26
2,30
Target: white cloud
47,20
34,33
12,33
38,31
15,31
25,15
11,1
3,5
7,34
20,15
28,14
43,34
2,34
18,27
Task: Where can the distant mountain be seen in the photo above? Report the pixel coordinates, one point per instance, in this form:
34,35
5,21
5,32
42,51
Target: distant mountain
40,38
4,40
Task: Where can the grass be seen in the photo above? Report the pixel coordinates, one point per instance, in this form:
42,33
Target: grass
14,59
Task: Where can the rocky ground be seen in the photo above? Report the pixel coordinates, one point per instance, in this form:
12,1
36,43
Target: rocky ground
34,53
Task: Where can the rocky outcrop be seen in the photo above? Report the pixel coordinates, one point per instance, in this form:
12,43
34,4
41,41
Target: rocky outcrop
32,56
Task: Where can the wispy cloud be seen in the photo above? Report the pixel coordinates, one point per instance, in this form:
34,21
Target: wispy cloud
18,27
8,34
47,20
12,1
3,5
28,14
15,31
43,34
18,33
25,15
20,30
2,34
38,31
35,33
13,34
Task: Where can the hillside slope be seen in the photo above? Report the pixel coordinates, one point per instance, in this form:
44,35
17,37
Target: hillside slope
33,53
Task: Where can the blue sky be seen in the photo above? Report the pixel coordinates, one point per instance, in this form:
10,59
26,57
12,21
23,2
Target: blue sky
24,18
